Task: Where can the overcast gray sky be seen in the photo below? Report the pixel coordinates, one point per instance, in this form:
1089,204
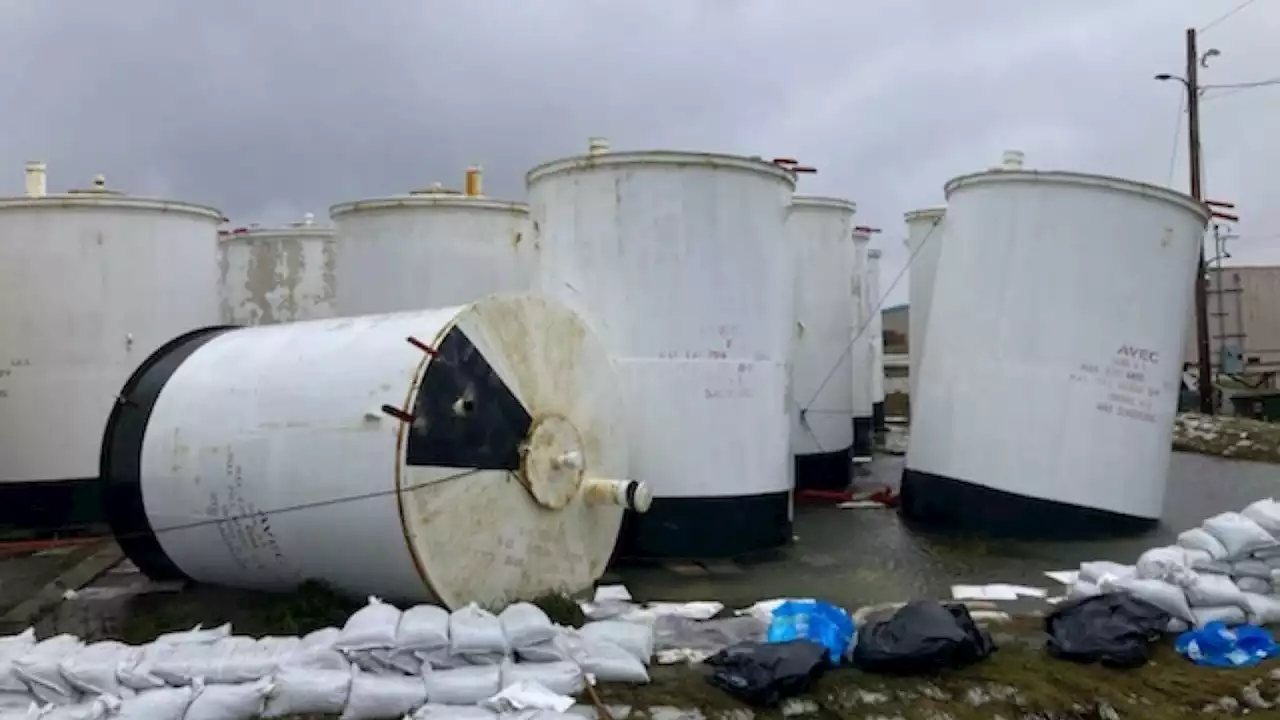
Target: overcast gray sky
271,108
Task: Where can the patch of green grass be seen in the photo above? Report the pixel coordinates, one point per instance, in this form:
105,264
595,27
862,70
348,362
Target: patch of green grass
312,606
1231,437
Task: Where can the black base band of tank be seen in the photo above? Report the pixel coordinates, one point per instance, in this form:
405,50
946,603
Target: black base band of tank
40,510
121,463
877,417
824,470
706,527
944,504
863,437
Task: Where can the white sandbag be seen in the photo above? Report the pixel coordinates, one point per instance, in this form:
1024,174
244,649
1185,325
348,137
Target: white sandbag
564,677
440,659
304,691
94,669
230,661
135,671
317,657
1212,591
610,662
437,711
1082,589
525,624
1266,553
400,662
1201,561
39,669
527,699
1238,534
1266,513
1095,571
372,626
1254,585
13,647
1169,564
635,638
95,709
323,638
475,631
1226,614
423,627
196,635
1263,609
158,704
463,686
374,697
484,658
1177,626
1251,568
239,701
1169,598
1200,539
16,701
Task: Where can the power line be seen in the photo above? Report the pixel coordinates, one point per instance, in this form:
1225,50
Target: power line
1224,17
1242,85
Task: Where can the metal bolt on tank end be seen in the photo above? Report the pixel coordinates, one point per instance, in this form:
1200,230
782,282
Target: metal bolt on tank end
473,187
630,494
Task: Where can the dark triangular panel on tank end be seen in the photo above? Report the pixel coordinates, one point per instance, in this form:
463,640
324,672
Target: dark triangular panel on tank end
465,416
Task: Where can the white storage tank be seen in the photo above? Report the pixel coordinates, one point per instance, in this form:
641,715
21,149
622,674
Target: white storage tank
680,261
271,275
466,454
924,244
429,248
875,334
1047,396
819,233
91,281
861,351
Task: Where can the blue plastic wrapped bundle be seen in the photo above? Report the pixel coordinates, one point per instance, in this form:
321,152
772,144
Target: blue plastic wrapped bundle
816,621
1219,646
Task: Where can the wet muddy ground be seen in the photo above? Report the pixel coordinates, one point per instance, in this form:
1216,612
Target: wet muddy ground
853,558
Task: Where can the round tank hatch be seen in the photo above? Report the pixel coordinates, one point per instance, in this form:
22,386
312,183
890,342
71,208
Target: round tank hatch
436,189
99,187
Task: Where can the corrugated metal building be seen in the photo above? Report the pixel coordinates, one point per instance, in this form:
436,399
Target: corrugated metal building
1244,319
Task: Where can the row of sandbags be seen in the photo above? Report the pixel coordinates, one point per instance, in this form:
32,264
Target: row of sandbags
383,663
1228,570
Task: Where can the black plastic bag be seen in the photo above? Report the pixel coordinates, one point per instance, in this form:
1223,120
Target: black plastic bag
922,637
763,674
1115,629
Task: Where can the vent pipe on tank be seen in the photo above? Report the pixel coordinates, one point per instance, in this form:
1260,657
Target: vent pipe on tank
473,186
308,219
1010,160
597,146
36,179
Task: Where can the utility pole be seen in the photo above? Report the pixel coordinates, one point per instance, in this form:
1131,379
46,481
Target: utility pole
1201,291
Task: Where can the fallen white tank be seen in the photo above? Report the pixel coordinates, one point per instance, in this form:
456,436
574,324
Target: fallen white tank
819,233
271,275
861,352
1047,396
875,334
429,248
924,244
91,282
472,453
680,261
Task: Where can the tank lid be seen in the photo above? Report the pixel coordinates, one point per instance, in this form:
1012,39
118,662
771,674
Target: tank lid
930,214
676,158
817,201
1062,177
